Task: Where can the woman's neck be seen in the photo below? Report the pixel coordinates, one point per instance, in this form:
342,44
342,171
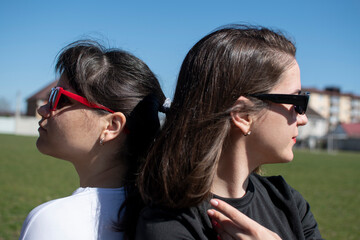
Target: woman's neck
231,179
233,170
100,172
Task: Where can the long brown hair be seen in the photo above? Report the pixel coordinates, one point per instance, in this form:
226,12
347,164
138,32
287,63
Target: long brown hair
231,62
122,82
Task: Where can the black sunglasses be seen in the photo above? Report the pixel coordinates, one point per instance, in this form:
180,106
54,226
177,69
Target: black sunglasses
300,101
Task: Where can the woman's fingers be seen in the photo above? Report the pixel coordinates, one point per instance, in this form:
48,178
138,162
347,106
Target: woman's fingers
226,228
232,213
232,224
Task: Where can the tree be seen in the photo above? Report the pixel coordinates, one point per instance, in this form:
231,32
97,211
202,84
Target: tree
5,107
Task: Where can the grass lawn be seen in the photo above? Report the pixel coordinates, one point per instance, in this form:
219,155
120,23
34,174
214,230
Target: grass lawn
27,179
330,183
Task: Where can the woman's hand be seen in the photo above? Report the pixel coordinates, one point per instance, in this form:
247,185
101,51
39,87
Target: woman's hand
232,224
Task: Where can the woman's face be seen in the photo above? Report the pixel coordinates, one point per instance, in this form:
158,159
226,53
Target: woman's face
274,130
71,131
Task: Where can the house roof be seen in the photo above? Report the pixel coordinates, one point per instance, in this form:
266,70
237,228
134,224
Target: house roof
330,92
351,129
43,93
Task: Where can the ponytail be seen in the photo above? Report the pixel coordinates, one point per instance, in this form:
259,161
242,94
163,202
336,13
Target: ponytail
143,125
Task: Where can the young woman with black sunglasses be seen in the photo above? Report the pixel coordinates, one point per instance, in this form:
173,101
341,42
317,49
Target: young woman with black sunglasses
101,117
237,106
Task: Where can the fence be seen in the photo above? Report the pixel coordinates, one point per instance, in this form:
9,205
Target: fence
19,125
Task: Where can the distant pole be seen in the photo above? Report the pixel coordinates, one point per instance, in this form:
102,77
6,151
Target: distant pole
17,111
18,105
330,143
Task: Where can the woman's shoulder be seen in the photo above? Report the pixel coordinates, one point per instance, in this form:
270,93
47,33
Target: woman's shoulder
277,186
51,208
163,223
77,211
280,192
268,179
275,182
45,216
63,206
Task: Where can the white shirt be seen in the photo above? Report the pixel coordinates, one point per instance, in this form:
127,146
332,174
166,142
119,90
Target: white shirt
89,213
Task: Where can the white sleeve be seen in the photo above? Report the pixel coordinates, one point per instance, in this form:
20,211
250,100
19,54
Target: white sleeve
55,221
88,214
31,228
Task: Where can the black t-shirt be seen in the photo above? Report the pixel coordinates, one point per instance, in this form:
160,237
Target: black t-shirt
270,201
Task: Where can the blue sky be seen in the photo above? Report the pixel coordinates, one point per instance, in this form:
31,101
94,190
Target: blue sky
327,36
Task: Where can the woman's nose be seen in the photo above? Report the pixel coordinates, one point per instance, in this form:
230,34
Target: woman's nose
302,119
44,111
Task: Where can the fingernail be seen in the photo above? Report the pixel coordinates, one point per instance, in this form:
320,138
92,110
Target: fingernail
210,212
214,223
214,202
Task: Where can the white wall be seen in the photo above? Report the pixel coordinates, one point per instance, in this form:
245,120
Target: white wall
7,125
316,127
19,126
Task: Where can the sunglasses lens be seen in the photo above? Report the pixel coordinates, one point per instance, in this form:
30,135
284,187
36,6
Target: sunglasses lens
52,98
299,109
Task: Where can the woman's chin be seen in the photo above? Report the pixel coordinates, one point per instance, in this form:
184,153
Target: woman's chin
289,158
42,146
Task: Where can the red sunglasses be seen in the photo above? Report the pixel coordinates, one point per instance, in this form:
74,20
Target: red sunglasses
56,93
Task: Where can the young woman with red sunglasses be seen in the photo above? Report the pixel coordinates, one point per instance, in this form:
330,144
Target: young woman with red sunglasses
101,117
237,106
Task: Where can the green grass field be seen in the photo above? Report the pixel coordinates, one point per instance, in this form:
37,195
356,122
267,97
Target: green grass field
330,182
27,179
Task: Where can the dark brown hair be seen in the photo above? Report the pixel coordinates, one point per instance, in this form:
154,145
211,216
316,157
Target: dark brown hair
120,81
231,62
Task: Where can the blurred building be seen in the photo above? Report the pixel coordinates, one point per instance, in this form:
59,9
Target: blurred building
38,99
313,134
346,136
334,106
333,120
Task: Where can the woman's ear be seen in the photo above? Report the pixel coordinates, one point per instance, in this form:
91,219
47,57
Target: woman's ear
114,125
241,120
